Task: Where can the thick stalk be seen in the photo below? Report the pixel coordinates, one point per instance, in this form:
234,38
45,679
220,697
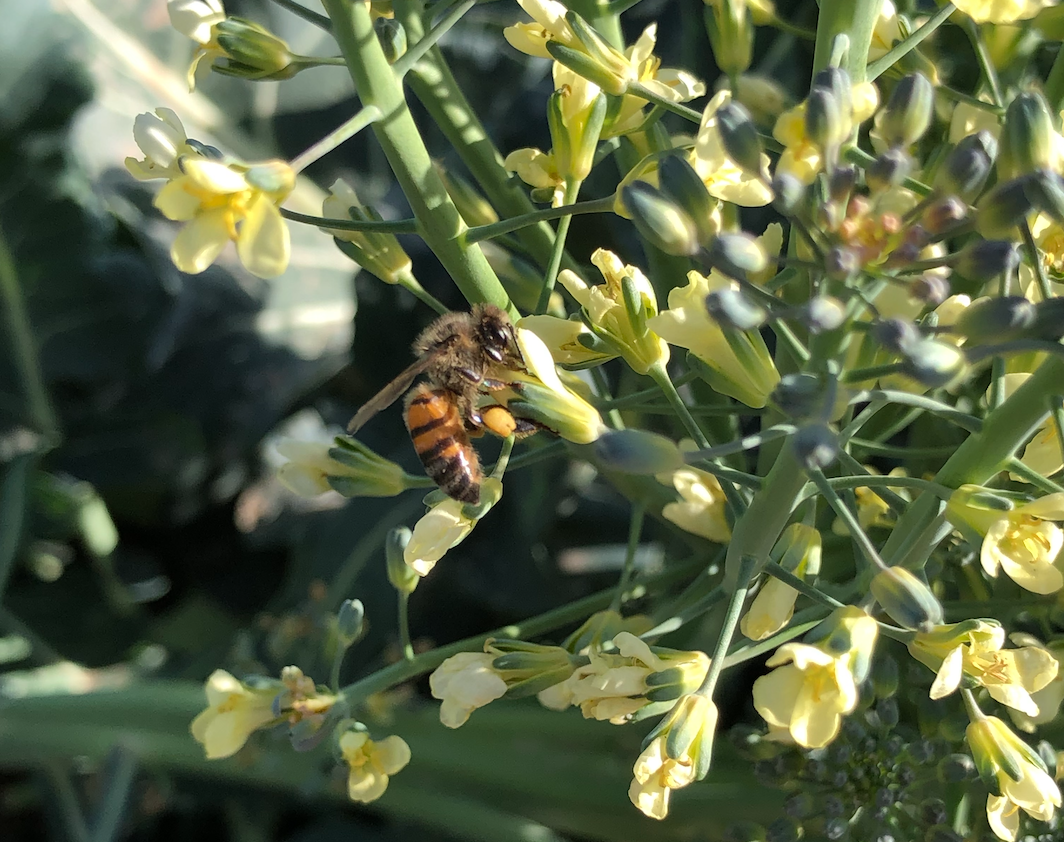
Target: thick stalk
439,222
853,18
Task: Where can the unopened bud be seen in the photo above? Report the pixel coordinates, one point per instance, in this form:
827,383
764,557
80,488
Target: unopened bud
823,119
841,263
1046,190
930,289
983,260
896,334
730,308
391,35
730,35
1004,208
968,166
736,255
799,396
815,446
681,184
788,192
822,313
637,452
889,169
401,575
659,220
252,52
841,184
997,319
934,364
1027,137
740,139
350,621
1049,319
837,81
908,112
943,214
907,600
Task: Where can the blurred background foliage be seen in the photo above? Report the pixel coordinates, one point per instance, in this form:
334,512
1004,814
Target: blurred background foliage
143,540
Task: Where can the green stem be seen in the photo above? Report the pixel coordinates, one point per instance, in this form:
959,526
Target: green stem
635,89
848,517
985,62
404,626
1036,261
430,39
803,587
572,189
1033,477
435,87
1054,88
345,131
747,569
874,481
387,226
853,18
968,99
525,630
635,531
409,282
878,67
439,223
311,17
24,347
516,223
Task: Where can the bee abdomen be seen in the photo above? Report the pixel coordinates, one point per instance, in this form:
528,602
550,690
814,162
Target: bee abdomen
438,433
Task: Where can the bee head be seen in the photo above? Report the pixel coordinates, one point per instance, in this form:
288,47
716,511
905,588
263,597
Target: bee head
495,333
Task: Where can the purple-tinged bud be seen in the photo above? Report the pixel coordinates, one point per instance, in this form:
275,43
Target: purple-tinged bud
799,396
896,334
997,319
930,289
934,364
736,255
816,446
943,214
908,112
968,166
983,260
351,620
662,222
684,187
1002,209
889,169
1028,140
841,263
823,118
907,600
789,193
731,309
740,139
637,452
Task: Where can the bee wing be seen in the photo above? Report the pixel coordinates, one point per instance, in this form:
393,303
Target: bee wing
390,393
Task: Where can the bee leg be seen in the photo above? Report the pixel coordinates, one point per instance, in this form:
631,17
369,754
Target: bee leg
490,384
469,374
523,427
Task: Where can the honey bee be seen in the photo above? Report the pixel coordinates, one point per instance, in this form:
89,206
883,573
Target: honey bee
461,356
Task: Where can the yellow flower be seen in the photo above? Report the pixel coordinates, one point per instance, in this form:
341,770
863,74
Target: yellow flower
348,467
613,685
1001,11
700,510
678,753
601,63
465,682
538,169
1042,453
886,33
196,19
762,97
562,337
1049,237
372,762
723,179
750,377
163,141
1016,776
607,310
805,699
802,157
222,202
797,551
233,711
539,395
970,119
377,253
1049,698
446,525
973,649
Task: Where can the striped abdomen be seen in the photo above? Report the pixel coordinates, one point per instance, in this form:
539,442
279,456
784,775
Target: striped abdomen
440,439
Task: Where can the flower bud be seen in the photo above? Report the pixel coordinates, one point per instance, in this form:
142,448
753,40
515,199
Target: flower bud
351,620
967,166
739,136
731,35
1049,319
1003,208
841,184
529,668
815,446
736,255
1027,137
400,574
730,308
593,59
823,119
789,193
663,223
984,260
885,677
475,209
934,364
889,169
252,52
996,319
907,600
681,184
391,35
349,467
1046,190
799,396
896,334
838,82
908,112
637,452
943,214
822,313
379,254
841,263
